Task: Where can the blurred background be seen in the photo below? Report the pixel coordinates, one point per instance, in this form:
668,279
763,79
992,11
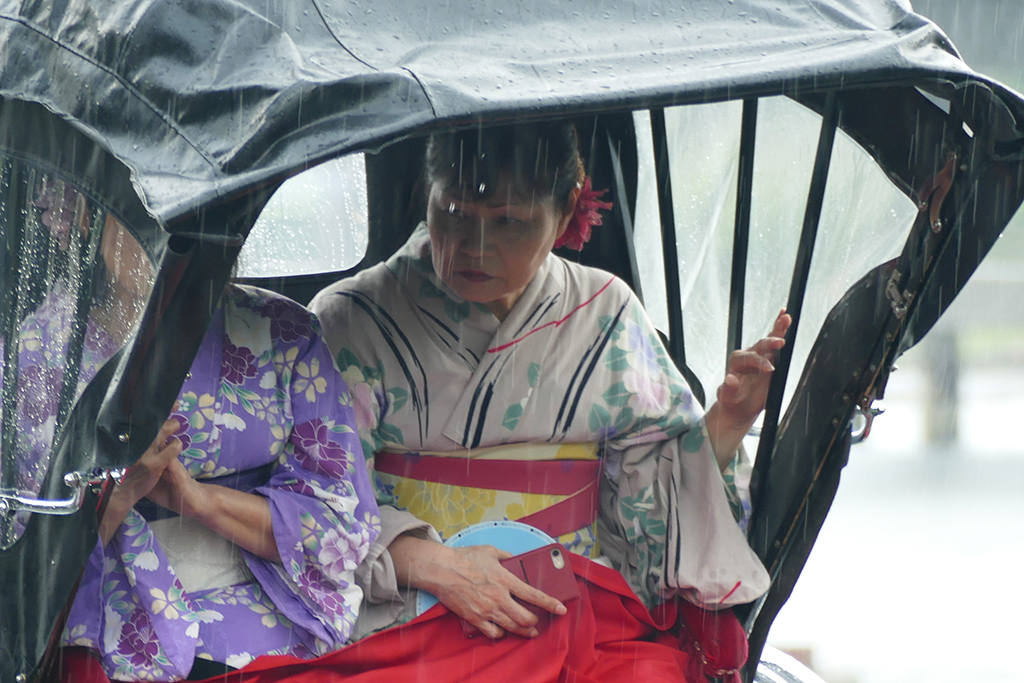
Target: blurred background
914,574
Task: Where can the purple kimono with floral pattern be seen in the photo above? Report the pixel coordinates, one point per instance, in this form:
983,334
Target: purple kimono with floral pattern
263,392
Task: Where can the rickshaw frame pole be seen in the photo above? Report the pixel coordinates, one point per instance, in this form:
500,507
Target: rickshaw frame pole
13,219
622,206
794,306
676,345
741,232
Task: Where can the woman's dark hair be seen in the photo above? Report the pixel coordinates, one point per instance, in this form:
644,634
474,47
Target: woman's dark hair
542,159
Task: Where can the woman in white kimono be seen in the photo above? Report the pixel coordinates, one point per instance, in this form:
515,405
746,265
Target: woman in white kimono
494,380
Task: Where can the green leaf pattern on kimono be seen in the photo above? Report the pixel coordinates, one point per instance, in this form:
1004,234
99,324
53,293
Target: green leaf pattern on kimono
372,403
645,409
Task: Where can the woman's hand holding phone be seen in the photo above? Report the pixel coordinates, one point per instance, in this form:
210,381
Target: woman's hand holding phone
545,569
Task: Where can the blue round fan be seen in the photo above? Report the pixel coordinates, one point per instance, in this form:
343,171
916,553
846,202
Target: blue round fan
513,537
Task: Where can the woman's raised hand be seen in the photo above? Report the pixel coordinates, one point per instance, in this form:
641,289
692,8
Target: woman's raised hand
472,583
742,395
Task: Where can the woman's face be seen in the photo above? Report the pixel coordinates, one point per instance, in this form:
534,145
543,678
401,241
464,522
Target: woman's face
488,250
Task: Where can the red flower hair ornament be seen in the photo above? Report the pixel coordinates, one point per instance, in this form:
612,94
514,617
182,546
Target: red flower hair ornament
586,216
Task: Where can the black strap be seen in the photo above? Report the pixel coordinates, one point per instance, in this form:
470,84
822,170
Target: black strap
207,668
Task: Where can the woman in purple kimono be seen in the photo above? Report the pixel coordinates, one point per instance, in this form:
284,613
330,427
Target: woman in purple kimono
238,531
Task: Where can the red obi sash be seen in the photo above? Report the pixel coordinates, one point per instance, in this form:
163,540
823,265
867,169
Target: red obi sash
578,479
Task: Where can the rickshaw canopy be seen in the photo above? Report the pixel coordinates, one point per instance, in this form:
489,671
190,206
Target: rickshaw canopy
205,100
183,118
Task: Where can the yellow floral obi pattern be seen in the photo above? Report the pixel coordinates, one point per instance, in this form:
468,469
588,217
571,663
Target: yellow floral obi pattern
554,487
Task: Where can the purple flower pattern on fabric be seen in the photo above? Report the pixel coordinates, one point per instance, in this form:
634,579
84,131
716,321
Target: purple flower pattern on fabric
288,323
181,433
238,365
138,640
339,547
256,411
317,453
322,590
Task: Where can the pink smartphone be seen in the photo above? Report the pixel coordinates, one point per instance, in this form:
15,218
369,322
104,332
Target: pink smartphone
547,569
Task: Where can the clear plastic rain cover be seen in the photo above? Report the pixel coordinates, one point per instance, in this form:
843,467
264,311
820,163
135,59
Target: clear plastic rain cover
75,282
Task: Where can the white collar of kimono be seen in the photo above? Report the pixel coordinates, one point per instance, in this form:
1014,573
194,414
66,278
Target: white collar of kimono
497,340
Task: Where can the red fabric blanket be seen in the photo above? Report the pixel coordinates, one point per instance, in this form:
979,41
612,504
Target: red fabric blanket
608,636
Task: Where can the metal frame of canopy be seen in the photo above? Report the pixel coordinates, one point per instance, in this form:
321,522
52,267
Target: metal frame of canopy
800,455
87,98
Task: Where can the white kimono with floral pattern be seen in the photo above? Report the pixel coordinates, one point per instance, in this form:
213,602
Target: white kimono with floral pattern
575,361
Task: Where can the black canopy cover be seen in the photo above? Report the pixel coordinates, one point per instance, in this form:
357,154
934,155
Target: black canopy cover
205,106
203,99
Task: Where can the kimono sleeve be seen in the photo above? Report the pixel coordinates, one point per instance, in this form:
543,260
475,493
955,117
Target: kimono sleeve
386,601
323,512
667,514
131,608
355,343
352,338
